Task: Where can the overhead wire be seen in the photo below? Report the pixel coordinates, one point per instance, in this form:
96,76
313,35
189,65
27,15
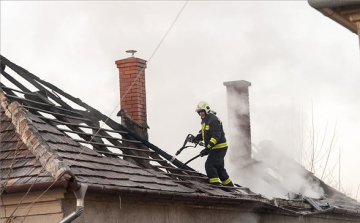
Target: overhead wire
27,192
32,203
137,76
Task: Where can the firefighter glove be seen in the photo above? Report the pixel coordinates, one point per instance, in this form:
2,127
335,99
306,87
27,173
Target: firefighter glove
205,152
193,139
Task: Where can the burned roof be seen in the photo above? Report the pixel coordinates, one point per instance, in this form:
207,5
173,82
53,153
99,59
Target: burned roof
45,141
72,144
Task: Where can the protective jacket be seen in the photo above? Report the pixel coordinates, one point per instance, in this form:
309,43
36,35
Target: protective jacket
214,137
212,132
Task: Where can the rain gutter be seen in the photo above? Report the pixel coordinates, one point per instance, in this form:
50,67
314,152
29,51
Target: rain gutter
35,187
336,210
327,8
192,197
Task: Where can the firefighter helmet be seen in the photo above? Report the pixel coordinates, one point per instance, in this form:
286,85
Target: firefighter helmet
203,106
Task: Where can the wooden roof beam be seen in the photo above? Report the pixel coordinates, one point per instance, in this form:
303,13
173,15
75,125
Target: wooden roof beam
100,136
55,113
132,156
113,146
81,126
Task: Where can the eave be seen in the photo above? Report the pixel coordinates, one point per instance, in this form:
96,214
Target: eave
345,12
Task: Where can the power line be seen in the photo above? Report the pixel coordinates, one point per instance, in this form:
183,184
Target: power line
27,192
30,205
137,76
152,55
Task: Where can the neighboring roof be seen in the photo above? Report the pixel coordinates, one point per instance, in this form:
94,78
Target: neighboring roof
44,140
344,12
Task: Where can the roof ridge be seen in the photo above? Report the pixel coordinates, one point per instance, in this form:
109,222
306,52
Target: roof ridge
30,136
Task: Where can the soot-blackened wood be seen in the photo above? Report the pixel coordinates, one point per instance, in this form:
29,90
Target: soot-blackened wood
56,113
31,78
102,135
7,91
186,176
186,171
82,126
132,156
114,146
117,126
111,123
9,94
15,82
29,101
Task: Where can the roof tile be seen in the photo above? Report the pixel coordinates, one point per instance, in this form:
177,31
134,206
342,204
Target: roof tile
109,167
11,181
6,126
7,136
73,149
43,127
60,139
35,119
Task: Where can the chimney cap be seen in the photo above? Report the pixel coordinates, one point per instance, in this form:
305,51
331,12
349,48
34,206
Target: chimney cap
240,83
131,52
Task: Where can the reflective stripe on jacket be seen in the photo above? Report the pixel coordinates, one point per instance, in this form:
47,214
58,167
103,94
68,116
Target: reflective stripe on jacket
212,132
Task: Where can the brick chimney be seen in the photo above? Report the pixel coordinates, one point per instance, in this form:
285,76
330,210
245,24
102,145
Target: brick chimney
239,117
133,93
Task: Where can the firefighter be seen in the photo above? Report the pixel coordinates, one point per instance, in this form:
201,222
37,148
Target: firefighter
213,135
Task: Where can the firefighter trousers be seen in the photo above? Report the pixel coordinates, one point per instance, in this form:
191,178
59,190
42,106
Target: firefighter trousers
214,166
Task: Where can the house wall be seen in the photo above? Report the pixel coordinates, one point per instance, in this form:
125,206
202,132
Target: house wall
46,209
271,218
109,209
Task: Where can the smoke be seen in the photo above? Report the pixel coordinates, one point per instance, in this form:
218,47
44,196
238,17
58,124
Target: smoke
289,177
265,169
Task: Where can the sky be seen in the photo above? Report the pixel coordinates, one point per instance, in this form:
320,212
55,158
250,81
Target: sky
303,68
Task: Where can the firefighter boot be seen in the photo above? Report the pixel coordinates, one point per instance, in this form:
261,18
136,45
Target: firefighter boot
228,183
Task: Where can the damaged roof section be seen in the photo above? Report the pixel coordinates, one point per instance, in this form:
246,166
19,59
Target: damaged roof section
45,140
85,146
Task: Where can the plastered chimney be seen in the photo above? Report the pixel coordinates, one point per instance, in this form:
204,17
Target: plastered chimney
239,121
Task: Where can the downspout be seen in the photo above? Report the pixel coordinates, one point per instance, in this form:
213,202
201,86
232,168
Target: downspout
326,7
80,195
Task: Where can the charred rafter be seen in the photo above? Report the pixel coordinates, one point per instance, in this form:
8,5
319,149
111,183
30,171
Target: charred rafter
76,120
